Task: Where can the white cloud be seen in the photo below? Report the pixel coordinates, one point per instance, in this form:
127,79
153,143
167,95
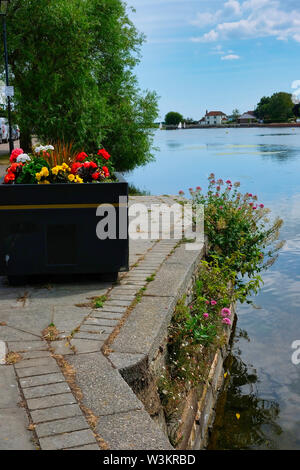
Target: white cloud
234,5
208,37
230,57
204,19
258,18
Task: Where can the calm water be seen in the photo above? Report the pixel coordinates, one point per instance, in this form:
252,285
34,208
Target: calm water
263,384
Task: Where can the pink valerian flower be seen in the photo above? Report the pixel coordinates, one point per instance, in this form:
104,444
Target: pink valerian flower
228,182
226,321
207,302
261,206
181,193
198,188
225,312
213,302
205,315
218,188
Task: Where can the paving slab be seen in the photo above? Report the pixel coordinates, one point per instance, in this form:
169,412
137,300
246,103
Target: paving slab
101,322
92,336
63,441
32,371
45,390
108,315
110,308
57,412
86,346
133,430
104,390
13,419
76,423
62,347
146,326
98,329
20,346
42,380
36,362
125,360
14,434
12,334
53,400
9,391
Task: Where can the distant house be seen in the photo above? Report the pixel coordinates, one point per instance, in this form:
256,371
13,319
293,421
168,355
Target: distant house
247,118
213,118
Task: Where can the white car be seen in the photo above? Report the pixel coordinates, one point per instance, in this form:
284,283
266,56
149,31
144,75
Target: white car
4,131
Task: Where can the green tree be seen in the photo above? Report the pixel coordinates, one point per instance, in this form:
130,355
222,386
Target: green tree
72,66
235,114
173,118
277,108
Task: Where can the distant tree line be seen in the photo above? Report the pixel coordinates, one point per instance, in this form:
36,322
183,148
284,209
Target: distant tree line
277,108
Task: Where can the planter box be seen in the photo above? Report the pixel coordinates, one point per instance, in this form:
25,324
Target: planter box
51,229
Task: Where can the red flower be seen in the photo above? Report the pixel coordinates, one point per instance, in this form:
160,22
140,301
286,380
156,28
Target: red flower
9,178
81,157
95,175
14,154
104,154
75,167
106,171
93,165
13,168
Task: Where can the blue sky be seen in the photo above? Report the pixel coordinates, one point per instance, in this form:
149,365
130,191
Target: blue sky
217,54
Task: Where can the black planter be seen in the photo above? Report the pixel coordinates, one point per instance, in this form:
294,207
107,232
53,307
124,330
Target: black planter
51,229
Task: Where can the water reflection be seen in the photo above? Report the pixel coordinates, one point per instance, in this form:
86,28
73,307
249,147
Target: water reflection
267,165
257,426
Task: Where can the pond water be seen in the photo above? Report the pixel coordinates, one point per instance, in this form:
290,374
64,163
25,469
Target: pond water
263,385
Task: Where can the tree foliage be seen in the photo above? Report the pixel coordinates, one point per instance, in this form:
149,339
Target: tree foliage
173,118
277,108
72,64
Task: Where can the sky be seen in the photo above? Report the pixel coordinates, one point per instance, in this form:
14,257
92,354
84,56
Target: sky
217,55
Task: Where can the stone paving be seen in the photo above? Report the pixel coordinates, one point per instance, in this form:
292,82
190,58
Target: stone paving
42,405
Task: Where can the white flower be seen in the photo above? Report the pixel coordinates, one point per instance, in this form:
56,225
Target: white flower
49,147
23,158
38,149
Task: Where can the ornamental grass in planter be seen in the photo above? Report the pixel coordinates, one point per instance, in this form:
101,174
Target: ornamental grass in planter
49,213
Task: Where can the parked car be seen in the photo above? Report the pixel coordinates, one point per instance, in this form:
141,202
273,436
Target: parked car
4,130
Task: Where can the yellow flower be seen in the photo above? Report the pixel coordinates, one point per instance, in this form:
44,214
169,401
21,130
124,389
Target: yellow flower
78,179
44,171
55,170
238,416
44,182
38,176
71,177
65,167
